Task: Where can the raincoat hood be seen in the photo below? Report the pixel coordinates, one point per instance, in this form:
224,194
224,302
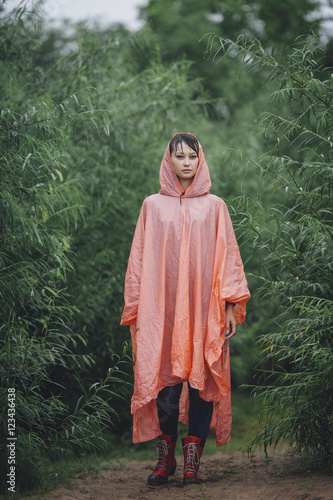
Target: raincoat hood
170,184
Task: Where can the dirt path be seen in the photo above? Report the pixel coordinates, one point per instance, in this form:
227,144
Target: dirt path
228,475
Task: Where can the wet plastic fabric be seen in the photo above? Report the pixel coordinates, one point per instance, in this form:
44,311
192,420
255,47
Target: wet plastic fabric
183,266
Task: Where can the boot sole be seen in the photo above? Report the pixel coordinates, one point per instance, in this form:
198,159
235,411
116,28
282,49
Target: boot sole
192,480
161,481
157,482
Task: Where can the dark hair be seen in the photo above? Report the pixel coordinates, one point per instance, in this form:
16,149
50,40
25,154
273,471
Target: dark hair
189,139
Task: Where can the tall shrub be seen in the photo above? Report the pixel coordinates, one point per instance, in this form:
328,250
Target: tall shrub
81,130
40,207
292,234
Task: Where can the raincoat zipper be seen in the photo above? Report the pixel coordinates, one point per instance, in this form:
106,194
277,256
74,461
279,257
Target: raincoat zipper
180,198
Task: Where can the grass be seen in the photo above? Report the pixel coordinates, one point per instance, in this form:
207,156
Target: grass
308,485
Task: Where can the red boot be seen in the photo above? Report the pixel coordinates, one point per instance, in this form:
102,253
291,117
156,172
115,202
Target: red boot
166,465
192,447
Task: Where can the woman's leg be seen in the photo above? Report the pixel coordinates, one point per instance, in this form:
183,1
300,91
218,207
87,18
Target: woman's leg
199,418
200,415
168,413
168,409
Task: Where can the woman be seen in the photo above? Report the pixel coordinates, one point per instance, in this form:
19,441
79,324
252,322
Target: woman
185,291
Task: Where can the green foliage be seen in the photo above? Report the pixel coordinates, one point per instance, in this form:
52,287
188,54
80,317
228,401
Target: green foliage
81,142
178,26
292,233
185,21
39,208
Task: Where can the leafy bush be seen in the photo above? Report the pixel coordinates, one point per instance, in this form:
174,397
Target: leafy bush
292,234
80,125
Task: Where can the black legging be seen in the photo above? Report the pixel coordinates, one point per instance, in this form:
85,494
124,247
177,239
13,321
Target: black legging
199,417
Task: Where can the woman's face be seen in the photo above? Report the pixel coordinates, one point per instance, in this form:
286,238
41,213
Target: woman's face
185,161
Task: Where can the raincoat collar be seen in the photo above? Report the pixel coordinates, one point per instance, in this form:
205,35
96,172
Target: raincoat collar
170,184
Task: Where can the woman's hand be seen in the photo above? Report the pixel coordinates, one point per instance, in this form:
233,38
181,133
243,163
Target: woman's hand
230,321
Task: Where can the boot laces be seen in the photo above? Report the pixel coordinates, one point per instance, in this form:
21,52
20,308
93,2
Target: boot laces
163,451
192,459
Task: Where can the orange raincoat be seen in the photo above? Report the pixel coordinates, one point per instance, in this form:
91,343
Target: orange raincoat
183,267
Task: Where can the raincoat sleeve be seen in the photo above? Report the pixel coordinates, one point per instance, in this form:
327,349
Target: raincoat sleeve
229,285
230,277
133,273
